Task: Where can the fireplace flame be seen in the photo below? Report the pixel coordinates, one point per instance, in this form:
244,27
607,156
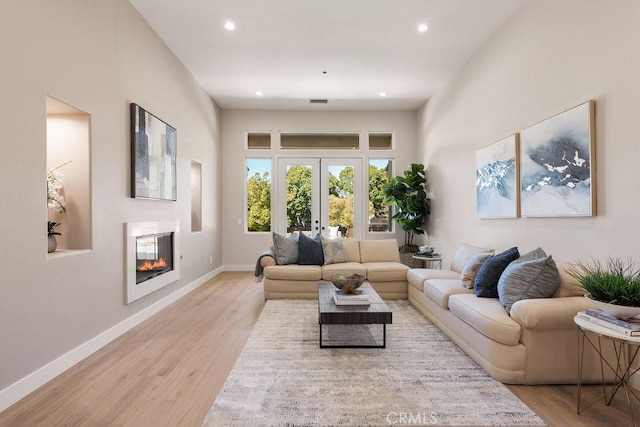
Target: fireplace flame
152,265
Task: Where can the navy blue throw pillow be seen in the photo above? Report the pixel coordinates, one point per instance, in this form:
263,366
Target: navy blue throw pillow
310,250
486,283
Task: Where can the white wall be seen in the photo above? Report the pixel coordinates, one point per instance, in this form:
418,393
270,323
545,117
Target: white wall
98,56
551,56
242,249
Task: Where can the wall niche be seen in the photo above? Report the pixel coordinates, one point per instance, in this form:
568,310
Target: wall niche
196,196
69,161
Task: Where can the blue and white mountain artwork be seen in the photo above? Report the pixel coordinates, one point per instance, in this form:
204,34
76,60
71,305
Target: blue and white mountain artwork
495,189
563,163
556,177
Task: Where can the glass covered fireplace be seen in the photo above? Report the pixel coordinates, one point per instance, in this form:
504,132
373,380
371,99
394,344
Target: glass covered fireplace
152,260
154,256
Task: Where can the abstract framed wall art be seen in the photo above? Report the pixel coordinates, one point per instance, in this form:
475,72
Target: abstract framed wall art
153,156
557,171
497,179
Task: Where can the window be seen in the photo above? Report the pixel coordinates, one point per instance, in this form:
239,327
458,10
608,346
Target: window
258,192
258,140
335,141
379,214
380,141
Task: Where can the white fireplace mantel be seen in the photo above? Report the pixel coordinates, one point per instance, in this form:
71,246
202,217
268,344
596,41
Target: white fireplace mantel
136,229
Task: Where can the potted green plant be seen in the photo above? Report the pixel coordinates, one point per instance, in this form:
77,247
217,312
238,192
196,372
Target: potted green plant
52,244
408,194
614,287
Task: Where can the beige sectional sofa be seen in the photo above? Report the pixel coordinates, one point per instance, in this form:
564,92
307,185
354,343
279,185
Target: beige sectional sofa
378,260
537,343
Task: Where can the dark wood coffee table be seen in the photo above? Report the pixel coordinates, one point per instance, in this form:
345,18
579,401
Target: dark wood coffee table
331,314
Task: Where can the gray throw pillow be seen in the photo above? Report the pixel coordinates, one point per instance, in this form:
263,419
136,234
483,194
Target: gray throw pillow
333,250
310,250
472,267
533,275
285,248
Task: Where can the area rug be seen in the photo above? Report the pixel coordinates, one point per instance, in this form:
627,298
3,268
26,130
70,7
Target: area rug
282,377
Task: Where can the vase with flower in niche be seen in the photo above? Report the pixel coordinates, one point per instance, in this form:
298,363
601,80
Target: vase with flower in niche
52,244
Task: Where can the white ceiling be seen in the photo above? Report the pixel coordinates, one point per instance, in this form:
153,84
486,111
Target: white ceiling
282,47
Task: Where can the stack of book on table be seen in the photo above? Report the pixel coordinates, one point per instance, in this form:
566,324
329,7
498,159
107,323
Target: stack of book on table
427,255
341,298
629,327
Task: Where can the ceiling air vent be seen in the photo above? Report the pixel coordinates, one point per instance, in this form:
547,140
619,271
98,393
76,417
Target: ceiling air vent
318,101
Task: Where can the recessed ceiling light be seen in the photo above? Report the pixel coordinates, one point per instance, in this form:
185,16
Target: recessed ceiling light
423,27
229,26
258,93
383,94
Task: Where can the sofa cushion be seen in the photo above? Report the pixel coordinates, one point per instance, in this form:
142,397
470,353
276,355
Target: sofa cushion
470,271
346,268
293,272
379,250
486,283
417,276
487,316
333,250
310,250
569,286
439,290
386,271
533,275
285,248
352,249
463,254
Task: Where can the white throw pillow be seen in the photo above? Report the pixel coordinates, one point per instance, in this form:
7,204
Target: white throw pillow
470,270
333,250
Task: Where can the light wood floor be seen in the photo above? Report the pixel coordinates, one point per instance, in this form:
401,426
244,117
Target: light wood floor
168,370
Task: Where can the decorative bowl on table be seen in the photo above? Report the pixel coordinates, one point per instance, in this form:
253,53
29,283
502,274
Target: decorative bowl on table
619,311
347,283
425,250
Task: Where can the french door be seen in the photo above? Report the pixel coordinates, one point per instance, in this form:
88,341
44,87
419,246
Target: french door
320,195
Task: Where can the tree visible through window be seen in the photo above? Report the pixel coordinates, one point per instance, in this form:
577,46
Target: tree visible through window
258,195
299,193
379,213
341,199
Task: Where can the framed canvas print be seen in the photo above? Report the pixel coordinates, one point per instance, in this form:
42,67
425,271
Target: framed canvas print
557,171
153,156
497,179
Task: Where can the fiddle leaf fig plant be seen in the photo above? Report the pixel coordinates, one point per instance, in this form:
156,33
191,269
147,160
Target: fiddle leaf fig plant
408,194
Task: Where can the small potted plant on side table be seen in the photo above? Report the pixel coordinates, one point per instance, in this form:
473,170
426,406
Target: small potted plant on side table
614,288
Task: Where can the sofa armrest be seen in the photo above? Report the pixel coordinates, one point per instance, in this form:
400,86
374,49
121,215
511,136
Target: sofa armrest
266,259
548,313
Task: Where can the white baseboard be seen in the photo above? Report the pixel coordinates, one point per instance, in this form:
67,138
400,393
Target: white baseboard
38,378
239,267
